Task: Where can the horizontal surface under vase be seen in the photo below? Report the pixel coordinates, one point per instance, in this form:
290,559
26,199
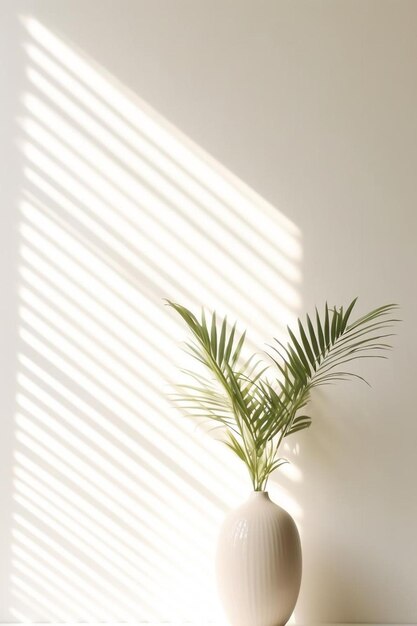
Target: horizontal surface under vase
258,563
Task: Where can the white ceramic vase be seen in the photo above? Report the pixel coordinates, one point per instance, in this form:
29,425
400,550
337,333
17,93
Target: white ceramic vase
259,563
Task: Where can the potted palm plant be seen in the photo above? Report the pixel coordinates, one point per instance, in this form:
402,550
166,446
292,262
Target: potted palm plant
257,404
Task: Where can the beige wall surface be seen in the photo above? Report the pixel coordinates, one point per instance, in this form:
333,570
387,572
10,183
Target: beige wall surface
256,157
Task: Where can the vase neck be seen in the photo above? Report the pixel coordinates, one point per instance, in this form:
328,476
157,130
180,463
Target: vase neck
259,495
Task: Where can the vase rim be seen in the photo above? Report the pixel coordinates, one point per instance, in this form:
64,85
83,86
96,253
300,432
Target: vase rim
259,494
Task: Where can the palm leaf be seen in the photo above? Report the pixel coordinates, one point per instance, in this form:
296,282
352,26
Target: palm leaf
256,413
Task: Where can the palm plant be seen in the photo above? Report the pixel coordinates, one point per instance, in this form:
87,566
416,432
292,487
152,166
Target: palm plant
255,405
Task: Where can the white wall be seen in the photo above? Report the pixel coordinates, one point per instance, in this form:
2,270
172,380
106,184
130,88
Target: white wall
255,157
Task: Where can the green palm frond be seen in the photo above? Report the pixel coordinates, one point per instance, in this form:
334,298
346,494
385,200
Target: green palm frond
254,412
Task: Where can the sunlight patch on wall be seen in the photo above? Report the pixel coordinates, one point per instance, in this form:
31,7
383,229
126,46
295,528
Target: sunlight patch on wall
117,498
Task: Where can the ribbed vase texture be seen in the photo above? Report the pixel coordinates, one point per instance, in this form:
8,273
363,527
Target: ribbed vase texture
259,563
